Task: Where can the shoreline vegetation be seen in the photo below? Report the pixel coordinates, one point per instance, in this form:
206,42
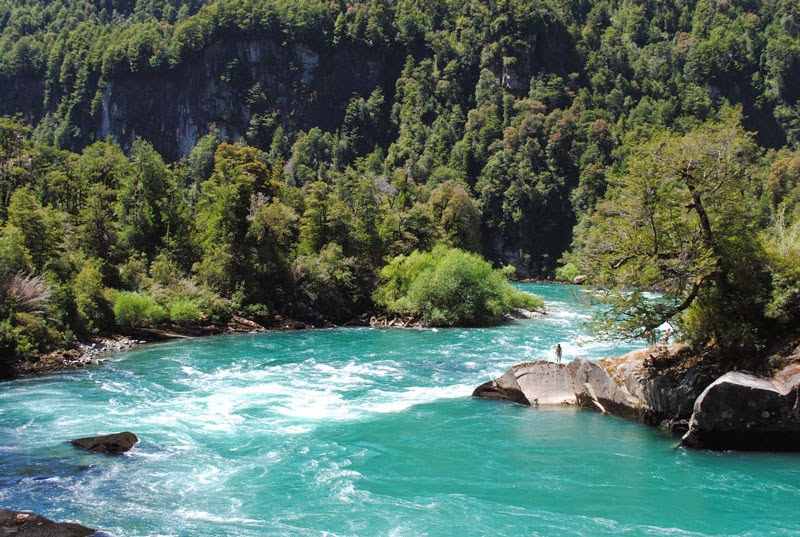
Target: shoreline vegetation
93,350
174,170
639,147
478,295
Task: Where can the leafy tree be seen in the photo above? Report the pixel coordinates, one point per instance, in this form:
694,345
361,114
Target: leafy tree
458,214
141,200
39,227
677,221
94,311
327,282
12,135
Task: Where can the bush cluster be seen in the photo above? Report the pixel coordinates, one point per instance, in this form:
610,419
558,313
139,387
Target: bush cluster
449,287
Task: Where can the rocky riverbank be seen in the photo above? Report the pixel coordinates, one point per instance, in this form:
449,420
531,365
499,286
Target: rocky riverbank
737,410
84,354
92,350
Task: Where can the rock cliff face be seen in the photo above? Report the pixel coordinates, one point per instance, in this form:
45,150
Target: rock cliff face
173,108
22,95
735,411
226,84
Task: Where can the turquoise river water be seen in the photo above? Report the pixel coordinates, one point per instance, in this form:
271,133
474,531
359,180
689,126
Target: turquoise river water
367,432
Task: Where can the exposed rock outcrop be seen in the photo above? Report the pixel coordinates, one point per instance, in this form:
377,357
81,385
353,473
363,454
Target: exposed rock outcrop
532,383
736,411
746,412
21,524
595,388
115,443
581,382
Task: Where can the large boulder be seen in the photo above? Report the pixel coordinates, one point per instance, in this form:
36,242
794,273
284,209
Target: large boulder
745,412
621,386
504,388
20,524
115,443
545,383
532,383
582,382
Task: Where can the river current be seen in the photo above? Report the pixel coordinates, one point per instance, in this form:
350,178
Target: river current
368,432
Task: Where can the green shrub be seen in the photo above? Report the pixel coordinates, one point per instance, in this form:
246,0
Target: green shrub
136,310
94,311
25,336
449,287
567,273
34,335
184,312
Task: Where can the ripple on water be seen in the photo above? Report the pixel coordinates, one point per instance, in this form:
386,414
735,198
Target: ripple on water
364,432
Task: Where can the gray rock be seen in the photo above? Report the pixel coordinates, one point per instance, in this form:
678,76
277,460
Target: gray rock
670,397
742,411
503,388
532,383
737,411
621,387
21,524
115,443
595,389
578,280
581,382
546,383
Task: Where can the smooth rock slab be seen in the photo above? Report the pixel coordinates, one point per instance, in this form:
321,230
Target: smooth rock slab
532,383
545,383
20,524
586,383
115,443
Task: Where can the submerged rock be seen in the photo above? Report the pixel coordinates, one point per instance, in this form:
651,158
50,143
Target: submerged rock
115,443
745,412
20,524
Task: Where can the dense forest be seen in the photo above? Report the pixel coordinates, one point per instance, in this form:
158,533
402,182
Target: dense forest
186,161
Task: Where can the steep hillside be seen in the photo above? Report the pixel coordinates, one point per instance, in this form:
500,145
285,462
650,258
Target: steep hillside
278,153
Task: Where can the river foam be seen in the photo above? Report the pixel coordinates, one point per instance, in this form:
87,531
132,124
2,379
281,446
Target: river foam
366,432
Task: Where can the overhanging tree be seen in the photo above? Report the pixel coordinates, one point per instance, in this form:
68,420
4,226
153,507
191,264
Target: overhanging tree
677,221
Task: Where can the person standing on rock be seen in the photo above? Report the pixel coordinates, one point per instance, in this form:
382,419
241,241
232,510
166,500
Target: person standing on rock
558,353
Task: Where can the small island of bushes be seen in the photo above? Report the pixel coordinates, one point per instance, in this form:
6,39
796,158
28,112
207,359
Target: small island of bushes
450,287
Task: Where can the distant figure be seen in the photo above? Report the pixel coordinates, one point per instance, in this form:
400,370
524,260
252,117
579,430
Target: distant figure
666,337
558,353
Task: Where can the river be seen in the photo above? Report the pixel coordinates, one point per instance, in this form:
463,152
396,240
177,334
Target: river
368,432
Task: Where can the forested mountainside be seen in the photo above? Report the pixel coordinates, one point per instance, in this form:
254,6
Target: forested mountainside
434,85
242,155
